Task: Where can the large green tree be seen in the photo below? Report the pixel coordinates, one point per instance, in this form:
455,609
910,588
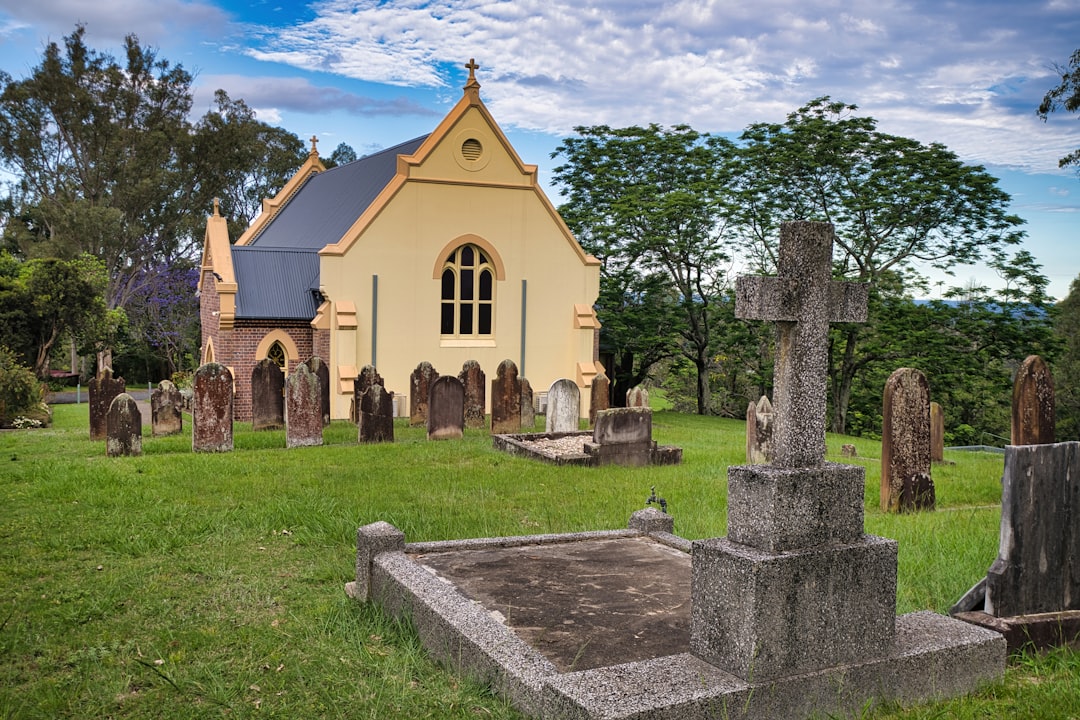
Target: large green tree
1066,96
1067,369
650,202
896,204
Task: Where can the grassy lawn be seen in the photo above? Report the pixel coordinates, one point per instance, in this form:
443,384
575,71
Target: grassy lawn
192,586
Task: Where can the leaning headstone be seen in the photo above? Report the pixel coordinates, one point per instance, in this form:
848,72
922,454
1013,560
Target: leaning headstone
303,409
419,388
564,407
937,433
475,383
759,423
267,396
1033,403
906,483
322,371
446,409
103,389
376,419
212,409
637,397
166,409
124,427
528,413
367,377
599,397
506,399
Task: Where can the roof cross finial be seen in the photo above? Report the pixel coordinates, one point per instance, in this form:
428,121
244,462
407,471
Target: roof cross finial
472,84
216,208
314,145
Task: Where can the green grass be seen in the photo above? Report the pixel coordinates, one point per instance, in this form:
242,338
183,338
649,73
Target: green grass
194,586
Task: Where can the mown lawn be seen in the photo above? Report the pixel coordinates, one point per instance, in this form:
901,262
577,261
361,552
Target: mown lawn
201,586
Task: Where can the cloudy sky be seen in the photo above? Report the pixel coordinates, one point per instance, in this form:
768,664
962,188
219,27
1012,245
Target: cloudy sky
370,73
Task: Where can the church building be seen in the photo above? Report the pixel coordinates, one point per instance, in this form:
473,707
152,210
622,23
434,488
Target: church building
441,249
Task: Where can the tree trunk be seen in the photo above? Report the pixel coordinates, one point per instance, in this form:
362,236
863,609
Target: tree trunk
701,362
844,378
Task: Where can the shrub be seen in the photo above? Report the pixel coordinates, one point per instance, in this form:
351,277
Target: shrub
20,392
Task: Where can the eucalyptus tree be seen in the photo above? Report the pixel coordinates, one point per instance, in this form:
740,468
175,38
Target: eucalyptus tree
1066,96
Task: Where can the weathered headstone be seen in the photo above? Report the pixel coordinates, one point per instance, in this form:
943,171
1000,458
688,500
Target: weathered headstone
906,483
475,383
848,450
367,377
937,433
1033,403
759,424
419,388
637,396
103,389
622,436
446,409
303,409
123,427
376,419
321,371
166,409
506,399
528,413
212,409
267,396
599,397
563,407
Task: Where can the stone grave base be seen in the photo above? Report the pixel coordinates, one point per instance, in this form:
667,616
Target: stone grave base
570,449
1030,632
596,626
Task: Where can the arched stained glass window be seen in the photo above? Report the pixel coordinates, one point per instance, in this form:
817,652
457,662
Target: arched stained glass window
468,294
277,354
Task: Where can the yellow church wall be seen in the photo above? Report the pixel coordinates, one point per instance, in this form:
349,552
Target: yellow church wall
453,160
403,244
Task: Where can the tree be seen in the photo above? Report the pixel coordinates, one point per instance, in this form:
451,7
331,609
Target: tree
893,201
342,154
1067,369
650,203
1065,96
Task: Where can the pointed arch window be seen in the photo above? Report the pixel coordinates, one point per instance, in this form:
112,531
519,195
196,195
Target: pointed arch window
468,294
277,355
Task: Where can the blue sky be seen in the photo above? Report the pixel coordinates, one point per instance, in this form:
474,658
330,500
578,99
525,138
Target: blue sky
966,73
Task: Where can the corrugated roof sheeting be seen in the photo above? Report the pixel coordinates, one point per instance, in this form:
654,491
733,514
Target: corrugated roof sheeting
329,203
276,283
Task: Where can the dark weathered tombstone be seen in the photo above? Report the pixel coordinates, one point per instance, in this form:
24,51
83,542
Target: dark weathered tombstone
103,389
599,396
937,433
759,424
848,450
376,421
528,412
322,371
367,377
303,409
267,396
1033,403
563,407
166,409
446,409
506,399
123,427
475,383
419,388
906,483
622,436
212,409
637,397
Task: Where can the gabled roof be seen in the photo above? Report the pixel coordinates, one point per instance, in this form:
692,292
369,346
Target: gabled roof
276,283
329,202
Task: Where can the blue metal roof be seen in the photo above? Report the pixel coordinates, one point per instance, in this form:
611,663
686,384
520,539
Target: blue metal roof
276,283
327,205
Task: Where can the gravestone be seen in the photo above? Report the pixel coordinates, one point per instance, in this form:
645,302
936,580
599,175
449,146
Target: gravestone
637,397
446,409
267,396
599,397
475,383
321,371
506,399
212,409
419,389
906,483
303,408
563,407
759,424
937,433
528,413
376,416
123,427
166,409
1033,403
103,389
367,377
622,436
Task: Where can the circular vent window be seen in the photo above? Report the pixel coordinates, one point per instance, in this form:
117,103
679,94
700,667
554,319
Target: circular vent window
471,149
